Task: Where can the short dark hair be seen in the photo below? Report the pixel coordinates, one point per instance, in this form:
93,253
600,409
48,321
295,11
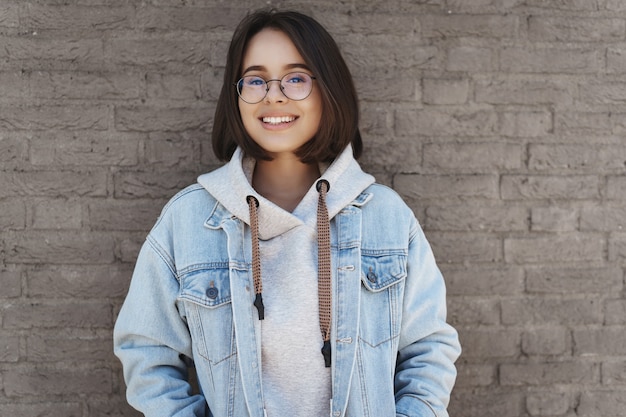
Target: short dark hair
340,111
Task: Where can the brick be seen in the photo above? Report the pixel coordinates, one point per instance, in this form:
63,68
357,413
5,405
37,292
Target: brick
548,403
173,86
604,403
10,281
13,149
615,5
475,375
526,123
483,280
615,59
459,247
617,248
43,381
42,409
608,341
81,17
614,373
570,372
431,122
563,60
604,92
473,156
378,85
53,183
127,215
14,84
603,219
154,51
473,311
86,85
376,155
554,311
30,47
392,22
57,315
553,219
130,246
9,15
59,247
479,217
150,119
67,117
616,187
577,122
570,29
12,214
151,185
88,149
577,157
53,346
445,91
582,280
570,247
78,281
441,186
546,341
460,25
57,214
378,121
174,149
533,187
565,5
471,59
378,51
615,312
527,90
197,19
488,403
489,343
9,348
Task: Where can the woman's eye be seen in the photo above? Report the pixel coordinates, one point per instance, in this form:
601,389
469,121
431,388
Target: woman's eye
254,81
295,79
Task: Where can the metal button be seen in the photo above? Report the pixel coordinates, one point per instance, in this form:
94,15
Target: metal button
212,293
371,275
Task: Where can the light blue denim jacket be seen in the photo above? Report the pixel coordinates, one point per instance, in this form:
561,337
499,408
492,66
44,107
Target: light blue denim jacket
191,298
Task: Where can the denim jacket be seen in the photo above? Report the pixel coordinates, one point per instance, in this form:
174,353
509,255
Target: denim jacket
191,300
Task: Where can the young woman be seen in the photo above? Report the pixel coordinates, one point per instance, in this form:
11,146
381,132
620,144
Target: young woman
293,283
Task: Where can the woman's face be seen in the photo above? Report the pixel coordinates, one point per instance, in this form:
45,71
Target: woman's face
278,124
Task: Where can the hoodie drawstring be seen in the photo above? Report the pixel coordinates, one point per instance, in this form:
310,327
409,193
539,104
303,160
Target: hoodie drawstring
323,268
253,204
323,265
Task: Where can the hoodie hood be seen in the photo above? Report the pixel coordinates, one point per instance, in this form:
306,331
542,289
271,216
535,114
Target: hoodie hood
231,185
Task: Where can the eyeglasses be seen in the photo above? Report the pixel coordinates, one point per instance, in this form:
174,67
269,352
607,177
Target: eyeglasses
295,86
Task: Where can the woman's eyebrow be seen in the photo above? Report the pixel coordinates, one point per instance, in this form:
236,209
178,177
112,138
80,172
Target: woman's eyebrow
261,68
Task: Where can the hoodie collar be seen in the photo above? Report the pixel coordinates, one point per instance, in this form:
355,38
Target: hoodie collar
230,185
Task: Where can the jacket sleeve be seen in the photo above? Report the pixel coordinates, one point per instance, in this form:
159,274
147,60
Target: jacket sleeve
152,340
428,346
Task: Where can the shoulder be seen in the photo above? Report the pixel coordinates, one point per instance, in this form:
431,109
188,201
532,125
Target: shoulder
385,199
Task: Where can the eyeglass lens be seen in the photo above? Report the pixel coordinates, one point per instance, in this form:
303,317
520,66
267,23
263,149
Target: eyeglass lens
295,86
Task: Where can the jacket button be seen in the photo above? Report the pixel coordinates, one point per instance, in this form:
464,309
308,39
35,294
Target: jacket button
212,293
371,275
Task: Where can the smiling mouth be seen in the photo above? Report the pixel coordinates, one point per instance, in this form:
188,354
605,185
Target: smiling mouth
278,120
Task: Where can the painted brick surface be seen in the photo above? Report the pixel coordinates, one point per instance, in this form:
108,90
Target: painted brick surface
501,122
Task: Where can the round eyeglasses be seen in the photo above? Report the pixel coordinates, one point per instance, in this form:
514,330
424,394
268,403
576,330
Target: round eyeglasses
295,86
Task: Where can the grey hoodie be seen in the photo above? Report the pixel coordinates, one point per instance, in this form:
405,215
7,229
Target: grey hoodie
295,380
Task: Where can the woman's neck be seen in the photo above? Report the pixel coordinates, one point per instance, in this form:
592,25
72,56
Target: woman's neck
284,180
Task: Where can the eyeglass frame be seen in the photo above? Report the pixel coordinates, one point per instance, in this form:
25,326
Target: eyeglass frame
267,86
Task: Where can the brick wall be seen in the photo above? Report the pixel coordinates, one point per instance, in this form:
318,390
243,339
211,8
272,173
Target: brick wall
501,122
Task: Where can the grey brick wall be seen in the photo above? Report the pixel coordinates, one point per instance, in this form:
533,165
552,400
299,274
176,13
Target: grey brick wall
501,122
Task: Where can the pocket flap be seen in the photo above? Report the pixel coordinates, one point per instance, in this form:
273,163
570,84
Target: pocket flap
382,271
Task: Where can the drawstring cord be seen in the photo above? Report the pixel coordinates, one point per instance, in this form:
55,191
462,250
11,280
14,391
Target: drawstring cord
324,268
323,265
253,205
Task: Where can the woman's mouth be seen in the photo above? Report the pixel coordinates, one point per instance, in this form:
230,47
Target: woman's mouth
275,121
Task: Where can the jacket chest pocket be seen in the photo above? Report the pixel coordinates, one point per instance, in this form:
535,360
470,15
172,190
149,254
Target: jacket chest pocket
206,296
382,278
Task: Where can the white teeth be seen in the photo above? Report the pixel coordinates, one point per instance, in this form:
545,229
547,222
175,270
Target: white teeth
278,120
